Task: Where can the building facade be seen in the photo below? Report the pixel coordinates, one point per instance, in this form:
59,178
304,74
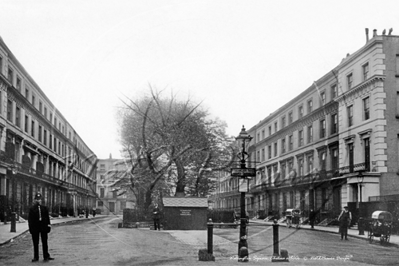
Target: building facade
336,143
113,194
39,150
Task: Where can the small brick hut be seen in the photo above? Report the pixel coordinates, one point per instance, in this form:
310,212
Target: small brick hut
182,213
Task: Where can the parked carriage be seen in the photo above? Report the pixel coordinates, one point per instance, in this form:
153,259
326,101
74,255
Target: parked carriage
293,217
380,226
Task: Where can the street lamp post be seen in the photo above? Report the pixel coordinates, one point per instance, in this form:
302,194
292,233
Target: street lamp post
243,155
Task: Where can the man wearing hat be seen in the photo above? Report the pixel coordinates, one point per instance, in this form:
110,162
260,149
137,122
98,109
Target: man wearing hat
39,225
344,221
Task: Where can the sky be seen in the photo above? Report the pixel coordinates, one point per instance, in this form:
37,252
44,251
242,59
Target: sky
241,59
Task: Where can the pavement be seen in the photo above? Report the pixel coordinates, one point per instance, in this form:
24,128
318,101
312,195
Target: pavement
196,238
21,227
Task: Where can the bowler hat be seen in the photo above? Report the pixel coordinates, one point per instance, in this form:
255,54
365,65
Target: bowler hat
38,196
346,207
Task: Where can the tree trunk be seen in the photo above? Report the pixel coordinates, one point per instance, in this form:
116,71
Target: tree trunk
181,178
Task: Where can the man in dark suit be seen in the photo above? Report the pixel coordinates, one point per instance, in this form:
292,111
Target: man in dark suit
39,225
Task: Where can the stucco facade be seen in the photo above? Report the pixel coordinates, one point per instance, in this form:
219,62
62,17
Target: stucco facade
336,143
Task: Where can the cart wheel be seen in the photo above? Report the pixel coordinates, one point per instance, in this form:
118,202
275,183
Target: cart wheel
370,236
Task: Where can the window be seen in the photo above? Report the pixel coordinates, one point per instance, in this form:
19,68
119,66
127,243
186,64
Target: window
310,106
310,164
366,108
365,71
322,98
283,146
18,84
366,143
283,122
45,112
263,132
40,107
51,117
300,111
55,121
270,130
300,138
290,142
310,134
322,128
349,80
102,192
33,99
275,127
9,110
351,162
334,158
258,156
18,117
322,160
55,144
334,123
50,142
275,149
32,129
40,134
26,123
350,115
300,166
334,91
10,75
290,118
26,93
1,65
282,167
269,151
45,137
263,154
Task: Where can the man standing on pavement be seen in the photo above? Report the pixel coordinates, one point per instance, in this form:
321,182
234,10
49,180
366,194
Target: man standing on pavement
312,217
344,221
156,216
39,225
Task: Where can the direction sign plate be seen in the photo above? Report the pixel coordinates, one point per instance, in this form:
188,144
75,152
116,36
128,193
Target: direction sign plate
241,172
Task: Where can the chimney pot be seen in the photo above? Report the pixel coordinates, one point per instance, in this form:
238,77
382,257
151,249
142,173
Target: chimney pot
390,31
367,34
374,32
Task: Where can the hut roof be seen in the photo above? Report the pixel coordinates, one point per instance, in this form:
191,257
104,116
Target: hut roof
185,202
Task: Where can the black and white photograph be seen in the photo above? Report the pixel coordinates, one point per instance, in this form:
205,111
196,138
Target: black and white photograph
199,132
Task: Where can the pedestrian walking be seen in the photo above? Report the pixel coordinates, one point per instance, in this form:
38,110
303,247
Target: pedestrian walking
156,216
312,217
344,221
39,225
94,212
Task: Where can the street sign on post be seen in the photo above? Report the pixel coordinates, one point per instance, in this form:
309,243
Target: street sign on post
242,172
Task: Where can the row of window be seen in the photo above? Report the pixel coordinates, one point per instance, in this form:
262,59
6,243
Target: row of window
287,120
30,96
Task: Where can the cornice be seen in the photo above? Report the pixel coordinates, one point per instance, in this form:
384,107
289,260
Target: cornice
349,96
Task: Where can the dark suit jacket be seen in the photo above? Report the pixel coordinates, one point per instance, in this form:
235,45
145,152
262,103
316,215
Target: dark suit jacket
35,225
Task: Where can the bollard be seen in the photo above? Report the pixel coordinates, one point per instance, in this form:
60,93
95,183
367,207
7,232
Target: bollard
360,225
276,252
277,257
13,222
210,237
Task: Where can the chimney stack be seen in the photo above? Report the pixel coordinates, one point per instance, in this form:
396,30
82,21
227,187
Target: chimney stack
367,35
374,33
383,32
390,31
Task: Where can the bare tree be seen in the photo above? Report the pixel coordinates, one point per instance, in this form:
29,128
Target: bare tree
172,142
